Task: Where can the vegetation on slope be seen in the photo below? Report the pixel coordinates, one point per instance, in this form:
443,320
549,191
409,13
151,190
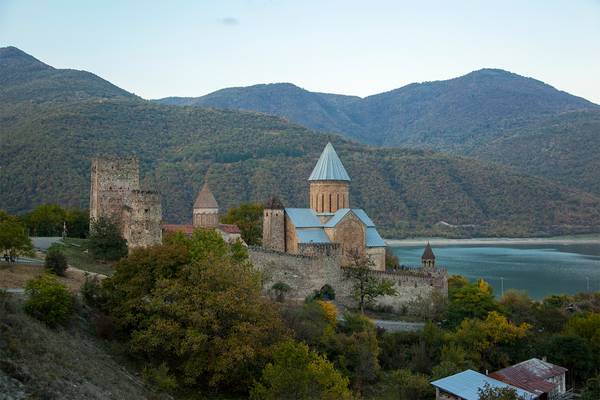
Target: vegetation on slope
489,114
48,145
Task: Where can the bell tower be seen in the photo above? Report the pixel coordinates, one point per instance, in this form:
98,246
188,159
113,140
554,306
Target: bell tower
206,209
428,258
329,183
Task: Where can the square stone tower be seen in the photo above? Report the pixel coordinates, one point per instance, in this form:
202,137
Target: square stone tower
141,219
111,179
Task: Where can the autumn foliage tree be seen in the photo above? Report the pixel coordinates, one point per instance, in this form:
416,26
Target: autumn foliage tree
193,309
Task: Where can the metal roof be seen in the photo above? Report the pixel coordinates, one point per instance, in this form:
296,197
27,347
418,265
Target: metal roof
329,167
339,215
317,235
374,239
467,383
303,218
531,375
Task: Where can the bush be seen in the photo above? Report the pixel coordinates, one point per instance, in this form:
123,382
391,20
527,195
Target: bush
106,242
92,292
300,373
325,293
280,289
56,261
49,301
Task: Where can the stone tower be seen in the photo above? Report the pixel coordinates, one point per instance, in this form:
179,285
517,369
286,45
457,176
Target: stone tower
274,225
206,209
141,218
428,258
329,183
111,179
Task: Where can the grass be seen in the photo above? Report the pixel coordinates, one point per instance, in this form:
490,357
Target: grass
76,251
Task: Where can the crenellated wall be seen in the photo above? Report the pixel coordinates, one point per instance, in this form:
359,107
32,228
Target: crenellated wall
308,272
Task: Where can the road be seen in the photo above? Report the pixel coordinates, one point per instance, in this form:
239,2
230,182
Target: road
43,243
398,326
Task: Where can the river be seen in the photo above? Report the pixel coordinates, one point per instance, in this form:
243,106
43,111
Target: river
539,267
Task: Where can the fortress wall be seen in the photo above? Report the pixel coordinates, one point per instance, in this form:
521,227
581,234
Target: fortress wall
307,273
142,216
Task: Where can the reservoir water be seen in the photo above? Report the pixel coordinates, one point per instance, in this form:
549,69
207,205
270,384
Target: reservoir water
538,269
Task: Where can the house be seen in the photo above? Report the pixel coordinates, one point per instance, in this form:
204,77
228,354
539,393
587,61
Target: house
466,385
536,376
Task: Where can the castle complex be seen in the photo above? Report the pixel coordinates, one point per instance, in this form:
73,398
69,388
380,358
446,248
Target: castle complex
115,194
307,248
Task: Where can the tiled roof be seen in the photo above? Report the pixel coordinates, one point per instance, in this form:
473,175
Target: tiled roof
205,198
467,383
229,228
187,229
329,167
374,239
530,375
312,235
303,217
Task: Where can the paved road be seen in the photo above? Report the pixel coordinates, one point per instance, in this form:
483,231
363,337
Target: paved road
43,243
399,326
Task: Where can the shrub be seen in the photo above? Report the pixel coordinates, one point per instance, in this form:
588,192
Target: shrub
103,325
325,293
56,262
280,289
299,373
49,301
92,292
106,242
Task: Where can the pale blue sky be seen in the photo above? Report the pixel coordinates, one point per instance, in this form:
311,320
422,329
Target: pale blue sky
190,48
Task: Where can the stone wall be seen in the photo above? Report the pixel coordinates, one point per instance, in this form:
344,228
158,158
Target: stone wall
307,273
329,196
206,217
141,218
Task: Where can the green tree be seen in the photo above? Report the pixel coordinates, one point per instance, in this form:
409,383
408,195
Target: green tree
299,373
56,261
48,300
413,386
46,220
573,353
13,236
197,309
591,391
106,242
78,223
498,393
248,217
473,300
482,338
366,286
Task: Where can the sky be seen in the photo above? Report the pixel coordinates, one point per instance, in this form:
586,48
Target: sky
190,48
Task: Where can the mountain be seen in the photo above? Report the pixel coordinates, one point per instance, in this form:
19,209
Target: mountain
470,115
48,141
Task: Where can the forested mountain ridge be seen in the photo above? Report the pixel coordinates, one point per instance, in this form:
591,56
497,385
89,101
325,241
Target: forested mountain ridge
48,142
484,114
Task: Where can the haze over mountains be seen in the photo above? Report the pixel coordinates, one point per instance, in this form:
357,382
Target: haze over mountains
53,121
489,114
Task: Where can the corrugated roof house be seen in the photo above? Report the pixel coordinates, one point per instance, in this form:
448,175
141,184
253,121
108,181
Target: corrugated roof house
466,385
537,376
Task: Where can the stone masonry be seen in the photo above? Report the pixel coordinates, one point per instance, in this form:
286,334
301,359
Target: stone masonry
115,194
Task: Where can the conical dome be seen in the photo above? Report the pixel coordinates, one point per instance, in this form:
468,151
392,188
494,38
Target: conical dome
329,167
428,253
205,198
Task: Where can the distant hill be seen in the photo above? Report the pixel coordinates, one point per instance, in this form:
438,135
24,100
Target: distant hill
48,141
468,115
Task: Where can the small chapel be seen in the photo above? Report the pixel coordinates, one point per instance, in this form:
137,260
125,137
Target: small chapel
205,214
329,224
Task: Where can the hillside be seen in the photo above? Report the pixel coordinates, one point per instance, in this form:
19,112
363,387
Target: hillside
37,362
48,144
471,115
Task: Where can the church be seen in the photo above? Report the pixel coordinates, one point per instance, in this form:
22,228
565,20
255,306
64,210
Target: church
329,224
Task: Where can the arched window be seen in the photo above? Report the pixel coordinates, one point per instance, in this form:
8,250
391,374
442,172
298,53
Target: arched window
330,203
322,203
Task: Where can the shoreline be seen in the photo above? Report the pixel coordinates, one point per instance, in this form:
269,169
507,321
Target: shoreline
595,239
